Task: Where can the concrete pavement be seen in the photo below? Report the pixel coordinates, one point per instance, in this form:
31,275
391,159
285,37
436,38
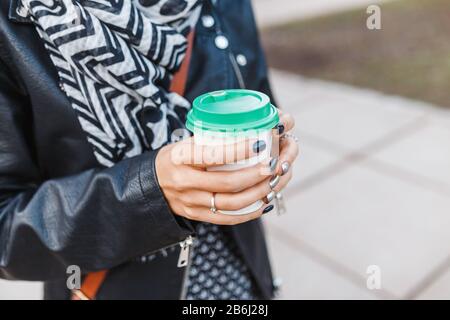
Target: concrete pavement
372,187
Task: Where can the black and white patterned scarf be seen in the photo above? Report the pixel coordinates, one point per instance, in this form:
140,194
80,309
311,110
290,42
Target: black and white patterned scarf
115,60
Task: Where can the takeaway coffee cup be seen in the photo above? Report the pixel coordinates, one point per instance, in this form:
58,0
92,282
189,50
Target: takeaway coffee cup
229,116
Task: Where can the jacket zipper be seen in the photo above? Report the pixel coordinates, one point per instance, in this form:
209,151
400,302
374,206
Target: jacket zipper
237,71
184,260
186,243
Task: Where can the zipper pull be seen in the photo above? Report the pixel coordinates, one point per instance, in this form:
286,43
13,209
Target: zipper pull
184,252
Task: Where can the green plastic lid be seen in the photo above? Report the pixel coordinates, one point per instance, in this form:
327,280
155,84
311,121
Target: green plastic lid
232,110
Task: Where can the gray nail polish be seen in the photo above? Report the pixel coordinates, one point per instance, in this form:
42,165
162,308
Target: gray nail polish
270,196
268,209
274,181
259,146
280,128
273,164
285,167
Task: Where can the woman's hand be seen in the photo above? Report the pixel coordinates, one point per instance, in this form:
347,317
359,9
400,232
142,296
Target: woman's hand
288,147
188,187
281,163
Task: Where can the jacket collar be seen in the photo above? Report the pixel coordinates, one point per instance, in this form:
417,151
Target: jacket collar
14,13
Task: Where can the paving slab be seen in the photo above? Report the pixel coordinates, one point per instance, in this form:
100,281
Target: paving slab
312,161
20,290
304,278
343,116
359,217
425,152
351,124
294,93
441,116
439,290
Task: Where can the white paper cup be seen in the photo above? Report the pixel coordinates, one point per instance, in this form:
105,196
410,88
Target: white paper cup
214,140
229,116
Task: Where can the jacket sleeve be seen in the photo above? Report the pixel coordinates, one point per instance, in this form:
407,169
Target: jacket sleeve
96,219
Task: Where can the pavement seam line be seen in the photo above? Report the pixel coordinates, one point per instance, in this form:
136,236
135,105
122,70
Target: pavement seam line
356,156
326,261
429,279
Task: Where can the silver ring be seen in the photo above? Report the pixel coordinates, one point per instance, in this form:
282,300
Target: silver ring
289,135
213,208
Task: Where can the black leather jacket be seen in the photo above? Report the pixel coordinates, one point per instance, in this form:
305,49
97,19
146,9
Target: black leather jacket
58,207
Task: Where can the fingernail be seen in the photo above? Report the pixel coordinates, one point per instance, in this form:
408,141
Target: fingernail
259,146
273,164
274,181
280,128
285,167
270,197
268,209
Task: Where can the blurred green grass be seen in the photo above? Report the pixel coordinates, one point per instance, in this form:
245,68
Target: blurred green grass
409,56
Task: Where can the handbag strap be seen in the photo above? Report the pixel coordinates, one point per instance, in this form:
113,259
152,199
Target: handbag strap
93,281
90,286
179,80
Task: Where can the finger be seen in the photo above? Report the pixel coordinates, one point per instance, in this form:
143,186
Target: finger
187,152
289,151
205,215
226,201
284,181
229,181
239,200
196,198
287,123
